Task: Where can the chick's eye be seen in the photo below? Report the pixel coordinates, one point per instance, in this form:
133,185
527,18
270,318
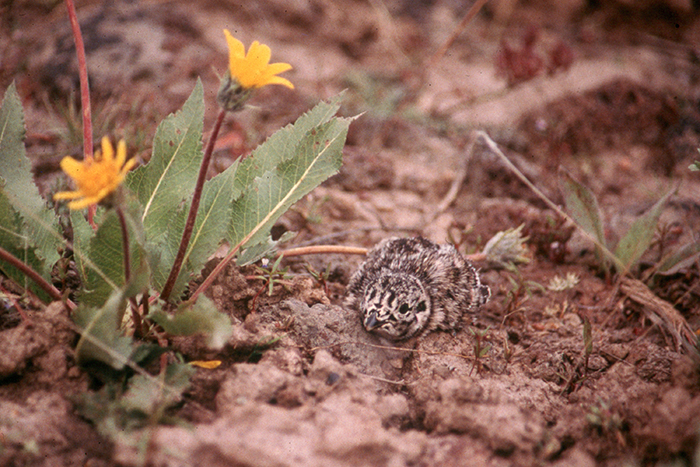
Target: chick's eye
403,309
421,307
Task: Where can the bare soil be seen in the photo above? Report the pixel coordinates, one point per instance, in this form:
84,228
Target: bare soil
607,91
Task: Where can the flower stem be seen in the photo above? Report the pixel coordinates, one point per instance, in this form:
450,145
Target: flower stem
52,291
84,88
84,95
194,207
135,316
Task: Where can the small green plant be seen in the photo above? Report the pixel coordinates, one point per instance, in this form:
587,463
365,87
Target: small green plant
320,277
520,291
583,206
481,347
605,420
507,248
270,277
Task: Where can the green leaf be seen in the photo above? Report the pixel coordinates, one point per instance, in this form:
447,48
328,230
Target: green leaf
583,207
683,256
118,409
164,185
15,240
200,317
101,337
40,223
316,156
263,249
638,238
151,396
282,145
100,255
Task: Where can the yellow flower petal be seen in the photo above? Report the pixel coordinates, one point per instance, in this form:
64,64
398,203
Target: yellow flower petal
121,154
258,56
66,195
277,68
107,150
279,80
235,47
72,167
208,364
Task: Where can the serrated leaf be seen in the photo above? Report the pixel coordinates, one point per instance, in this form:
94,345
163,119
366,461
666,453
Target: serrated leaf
40,223
200,317
638,238
167,181
15,240
282,145
317,156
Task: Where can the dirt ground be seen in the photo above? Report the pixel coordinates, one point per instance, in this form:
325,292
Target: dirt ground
608,91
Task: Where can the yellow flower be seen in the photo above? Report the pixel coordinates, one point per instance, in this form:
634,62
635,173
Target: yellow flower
97,178
247,72
254,70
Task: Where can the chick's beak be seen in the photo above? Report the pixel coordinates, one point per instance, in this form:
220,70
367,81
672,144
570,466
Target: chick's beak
371,322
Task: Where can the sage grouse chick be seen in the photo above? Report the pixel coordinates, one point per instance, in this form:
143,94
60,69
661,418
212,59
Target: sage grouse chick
407,286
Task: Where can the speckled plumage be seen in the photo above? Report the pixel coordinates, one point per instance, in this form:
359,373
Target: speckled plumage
408,286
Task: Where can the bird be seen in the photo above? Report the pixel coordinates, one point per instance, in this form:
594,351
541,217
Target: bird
410,286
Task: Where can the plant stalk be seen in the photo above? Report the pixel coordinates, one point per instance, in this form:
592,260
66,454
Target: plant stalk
84,95
47,287
136,317
194,207
471,13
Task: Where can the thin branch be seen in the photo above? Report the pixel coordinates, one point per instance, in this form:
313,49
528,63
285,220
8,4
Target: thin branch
194,207
471,13
323,249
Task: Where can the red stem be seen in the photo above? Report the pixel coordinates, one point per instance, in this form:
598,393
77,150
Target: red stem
84,88
84,95
194,207
52,291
